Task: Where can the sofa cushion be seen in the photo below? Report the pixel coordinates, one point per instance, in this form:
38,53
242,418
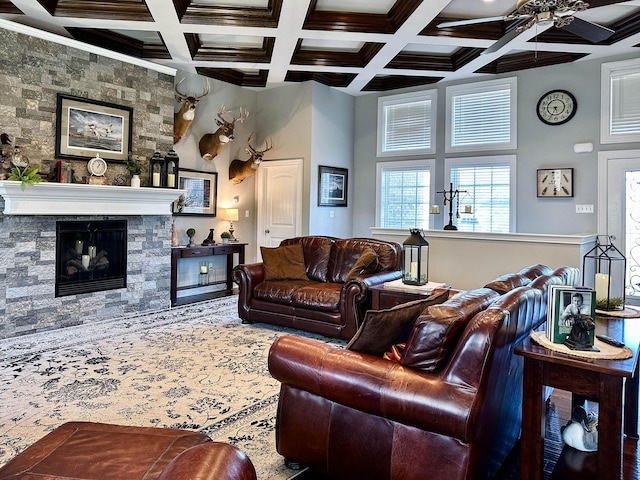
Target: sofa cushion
317,250
534,271
436,332
318,296
279,291
381,329
283,263
507,282
366,263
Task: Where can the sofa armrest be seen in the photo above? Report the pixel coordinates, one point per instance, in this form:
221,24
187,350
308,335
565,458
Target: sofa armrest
247,276
210,461
374,385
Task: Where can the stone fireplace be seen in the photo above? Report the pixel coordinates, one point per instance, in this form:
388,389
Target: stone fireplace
28,228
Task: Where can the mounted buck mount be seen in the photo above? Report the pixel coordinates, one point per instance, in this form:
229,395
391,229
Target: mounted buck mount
183,118
212,144
239,169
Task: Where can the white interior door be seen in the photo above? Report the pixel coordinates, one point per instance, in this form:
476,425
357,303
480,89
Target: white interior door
279,195
619,210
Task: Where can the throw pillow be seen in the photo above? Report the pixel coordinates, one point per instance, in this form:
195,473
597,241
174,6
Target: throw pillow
382,328
366,263
283,263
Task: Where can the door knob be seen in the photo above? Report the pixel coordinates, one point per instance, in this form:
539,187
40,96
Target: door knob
267,231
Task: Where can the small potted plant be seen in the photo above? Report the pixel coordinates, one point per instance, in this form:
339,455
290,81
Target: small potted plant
135,168
225,237
28,176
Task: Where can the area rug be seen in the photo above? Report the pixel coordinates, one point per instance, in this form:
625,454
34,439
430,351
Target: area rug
195,367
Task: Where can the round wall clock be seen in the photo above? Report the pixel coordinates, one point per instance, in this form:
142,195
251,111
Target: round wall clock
556,107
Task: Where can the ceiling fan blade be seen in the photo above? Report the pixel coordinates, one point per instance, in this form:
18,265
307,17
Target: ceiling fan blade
459,23
502,42
590,31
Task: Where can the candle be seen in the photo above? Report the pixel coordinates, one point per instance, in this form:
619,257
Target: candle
92,251
414,270
467,209
203,269
435,209
79,247
602,286
85,261
171,180
156,179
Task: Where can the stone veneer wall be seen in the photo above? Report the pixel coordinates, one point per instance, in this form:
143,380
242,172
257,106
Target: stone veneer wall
33,71
27,275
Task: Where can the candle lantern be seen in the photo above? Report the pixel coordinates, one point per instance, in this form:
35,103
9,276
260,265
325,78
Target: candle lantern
415,259
157,170
604,268
171,166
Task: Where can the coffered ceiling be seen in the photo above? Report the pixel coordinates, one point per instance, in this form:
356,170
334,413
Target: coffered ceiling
355,45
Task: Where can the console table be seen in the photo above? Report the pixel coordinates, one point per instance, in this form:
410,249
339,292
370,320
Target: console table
178,253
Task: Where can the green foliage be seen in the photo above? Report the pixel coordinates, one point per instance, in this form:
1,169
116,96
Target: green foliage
191,232
133,166
225,235
614,303
28,176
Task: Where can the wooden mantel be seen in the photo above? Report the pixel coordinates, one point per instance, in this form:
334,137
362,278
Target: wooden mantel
79,199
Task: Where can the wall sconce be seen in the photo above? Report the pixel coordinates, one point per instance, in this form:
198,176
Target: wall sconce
415,259
604,267
171,161
157,170
231,214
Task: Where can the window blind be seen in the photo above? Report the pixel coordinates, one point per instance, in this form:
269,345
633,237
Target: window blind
480,118
625,103
487,188
404,197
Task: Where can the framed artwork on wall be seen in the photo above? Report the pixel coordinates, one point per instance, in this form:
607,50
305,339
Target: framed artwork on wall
202,192
332,186
86,127
555,182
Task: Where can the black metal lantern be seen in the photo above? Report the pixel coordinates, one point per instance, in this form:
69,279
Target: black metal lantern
157,170
415,259
171,166
604,268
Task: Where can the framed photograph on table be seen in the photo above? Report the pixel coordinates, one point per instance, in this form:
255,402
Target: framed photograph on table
202,192
86,127
332,186
555,182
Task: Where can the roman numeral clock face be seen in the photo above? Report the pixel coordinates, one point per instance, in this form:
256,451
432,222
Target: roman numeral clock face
556,107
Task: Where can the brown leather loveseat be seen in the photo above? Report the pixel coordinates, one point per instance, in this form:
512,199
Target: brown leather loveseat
449,409
325,289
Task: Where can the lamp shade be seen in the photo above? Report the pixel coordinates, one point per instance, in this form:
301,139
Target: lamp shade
231,214
415,259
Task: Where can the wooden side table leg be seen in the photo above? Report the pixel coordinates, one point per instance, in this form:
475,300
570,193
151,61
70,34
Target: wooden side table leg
631,405
533,420
610,427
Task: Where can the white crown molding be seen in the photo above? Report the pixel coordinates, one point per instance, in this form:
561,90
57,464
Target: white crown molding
70,42
78,199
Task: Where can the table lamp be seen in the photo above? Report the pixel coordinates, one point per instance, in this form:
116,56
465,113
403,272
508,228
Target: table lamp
231,215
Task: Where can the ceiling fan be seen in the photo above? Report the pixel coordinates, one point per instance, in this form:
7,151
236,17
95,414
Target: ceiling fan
560,13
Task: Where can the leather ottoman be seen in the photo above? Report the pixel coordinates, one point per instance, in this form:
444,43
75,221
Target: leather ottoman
98,451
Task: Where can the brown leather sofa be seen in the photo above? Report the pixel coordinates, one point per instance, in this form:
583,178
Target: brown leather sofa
89,451
449,409
329,299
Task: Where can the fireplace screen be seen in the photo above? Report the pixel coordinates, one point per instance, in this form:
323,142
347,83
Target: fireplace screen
91,256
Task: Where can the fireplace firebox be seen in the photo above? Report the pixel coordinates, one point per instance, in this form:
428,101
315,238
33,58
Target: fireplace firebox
91,256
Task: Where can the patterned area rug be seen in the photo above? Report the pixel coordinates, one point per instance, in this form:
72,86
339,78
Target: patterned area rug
195,367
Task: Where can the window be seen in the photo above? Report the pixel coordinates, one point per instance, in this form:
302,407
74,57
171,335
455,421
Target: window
487,185
406,124
404,191
481,116
620,102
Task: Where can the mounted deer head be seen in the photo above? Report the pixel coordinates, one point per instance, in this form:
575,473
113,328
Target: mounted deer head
212,144
183,118
239,170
